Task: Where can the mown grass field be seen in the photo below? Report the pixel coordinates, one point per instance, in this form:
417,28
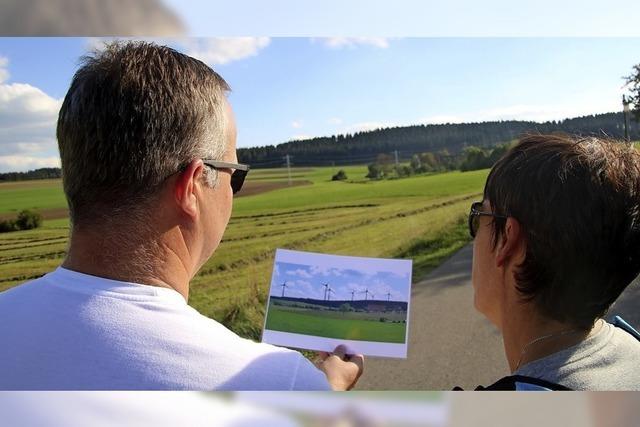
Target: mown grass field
334,325
423,218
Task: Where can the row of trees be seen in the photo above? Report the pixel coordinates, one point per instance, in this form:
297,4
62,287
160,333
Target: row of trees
363,147
42,173
471,158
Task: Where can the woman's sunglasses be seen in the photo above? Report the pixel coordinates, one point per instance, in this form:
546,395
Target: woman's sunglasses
474,217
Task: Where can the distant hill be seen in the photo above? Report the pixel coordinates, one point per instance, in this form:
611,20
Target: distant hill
363,147
42,173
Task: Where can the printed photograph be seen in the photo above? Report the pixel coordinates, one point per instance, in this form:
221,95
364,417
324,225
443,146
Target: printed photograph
337,297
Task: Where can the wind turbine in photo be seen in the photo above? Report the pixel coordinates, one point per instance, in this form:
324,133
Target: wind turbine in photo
329,292
326,288
284,286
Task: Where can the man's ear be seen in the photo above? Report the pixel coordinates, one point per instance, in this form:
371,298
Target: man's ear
511,245
187,186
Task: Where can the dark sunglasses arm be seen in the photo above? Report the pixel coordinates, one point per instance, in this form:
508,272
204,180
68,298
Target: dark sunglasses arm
217,164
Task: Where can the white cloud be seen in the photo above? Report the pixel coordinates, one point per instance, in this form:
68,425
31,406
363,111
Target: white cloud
317,270
27,127
213,51
352,42
25,163
299,272
4,73
296,124
223,50
335,121
300,137
303,283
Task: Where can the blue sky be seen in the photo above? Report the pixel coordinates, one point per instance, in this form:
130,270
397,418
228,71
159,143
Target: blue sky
293,88
306,281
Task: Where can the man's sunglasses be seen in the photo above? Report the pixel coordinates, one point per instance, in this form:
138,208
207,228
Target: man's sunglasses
474,217
237,176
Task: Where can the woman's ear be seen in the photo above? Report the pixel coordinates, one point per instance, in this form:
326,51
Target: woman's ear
511,246
187,186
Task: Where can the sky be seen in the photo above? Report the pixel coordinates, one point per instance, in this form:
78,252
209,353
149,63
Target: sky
306,281
422,18
295,88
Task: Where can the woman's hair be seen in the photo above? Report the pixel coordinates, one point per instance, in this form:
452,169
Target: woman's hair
577,200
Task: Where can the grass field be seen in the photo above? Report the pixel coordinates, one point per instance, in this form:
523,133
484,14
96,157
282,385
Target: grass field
333,325
423,218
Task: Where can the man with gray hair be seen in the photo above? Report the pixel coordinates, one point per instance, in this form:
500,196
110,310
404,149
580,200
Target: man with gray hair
147,142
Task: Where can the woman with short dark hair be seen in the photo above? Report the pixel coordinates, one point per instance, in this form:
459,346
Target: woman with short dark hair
556,241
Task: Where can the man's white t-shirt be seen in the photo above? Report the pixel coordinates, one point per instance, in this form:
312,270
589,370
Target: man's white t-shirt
73,331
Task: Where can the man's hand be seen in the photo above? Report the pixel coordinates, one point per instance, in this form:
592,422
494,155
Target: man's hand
342,370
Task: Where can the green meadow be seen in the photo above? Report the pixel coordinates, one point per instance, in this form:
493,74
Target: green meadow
334,325
422,218
40,194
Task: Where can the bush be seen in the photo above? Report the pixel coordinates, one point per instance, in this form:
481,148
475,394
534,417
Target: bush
8,225
340,176
26,220
345,307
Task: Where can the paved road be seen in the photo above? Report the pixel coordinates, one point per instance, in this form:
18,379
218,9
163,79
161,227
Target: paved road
449,342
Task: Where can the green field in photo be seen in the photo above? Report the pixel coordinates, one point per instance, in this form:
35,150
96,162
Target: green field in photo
335,325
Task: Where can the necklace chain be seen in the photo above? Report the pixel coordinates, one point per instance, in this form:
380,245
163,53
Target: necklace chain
542,338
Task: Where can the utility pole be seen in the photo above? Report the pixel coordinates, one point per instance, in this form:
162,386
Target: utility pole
288,159
625,110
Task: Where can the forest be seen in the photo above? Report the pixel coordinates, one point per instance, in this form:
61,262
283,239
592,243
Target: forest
364,147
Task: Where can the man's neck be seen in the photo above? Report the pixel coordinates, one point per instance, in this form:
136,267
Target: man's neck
152,262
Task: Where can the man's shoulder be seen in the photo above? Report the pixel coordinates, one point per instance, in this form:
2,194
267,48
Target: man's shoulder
218,333
21,289
251,365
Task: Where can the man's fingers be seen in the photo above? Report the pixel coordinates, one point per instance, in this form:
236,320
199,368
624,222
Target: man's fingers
340,351
322,355
358,359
